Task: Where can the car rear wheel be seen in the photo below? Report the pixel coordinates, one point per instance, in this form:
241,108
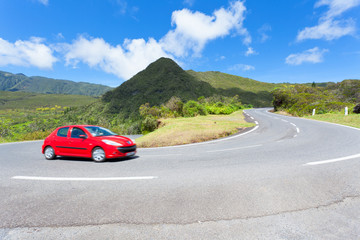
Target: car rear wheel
98,154
49,153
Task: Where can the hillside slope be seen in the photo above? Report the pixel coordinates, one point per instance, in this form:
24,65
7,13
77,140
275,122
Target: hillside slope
163,79
228,81
20,82
250,91
156,84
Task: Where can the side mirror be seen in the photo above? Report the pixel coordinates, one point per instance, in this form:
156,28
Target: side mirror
82,136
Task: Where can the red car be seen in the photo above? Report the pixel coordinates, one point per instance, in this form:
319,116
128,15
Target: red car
87,141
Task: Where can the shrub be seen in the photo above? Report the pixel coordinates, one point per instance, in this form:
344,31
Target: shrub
149,124
5,129
192,109
175,104
300,100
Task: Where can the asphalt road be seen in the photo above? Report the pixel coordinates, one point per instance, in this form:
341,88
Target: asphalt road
287,178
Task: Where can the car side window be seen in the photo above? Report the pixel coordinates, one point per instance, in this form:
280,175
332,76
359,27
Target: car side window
76,132
62,132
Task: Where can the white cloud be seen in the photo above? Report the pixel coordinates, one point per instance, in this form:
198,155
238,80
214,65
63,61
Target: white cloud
330,28
194,29
189,2
45,2
336,7
242,67
263,32
26,53
314,55
123,60
250,51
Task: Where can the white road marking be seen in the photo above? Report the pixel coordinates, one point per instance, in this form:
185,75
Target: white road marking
297,130
252,118
230,149
333,160
256,122
82,179
293,124
284,120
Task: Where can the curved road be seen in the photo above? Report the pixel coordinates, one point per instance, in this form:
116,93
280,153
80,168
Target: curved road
287,178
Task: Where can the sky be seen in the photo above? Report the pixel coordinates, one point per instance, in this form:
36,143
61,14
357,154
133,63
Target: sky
109,41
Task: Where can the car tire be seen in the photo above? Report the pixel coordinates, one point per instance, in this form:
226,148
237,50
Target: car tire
98,154
49,153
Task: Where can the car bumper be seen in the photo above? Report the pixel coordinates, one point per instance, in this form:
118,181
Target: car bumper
121,152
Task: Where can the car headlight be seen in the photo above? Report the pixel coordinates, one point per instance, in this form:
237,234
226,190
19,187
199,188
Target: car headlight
112,143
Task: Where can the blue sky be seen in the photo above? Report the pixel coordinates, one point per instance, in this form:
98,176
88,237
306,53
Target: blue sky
108,41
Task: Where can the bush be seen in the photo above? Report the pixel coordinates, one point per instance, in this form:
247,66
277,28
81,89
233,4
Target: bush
192,109
149,124
356,109
5,129
175,105
300,100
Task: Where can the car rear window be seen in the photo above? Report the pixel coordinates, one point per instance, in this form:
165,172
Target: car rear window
63,132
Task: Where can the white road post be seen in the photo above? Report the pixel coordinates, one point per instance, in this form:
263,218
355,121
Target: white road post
313,112
346,111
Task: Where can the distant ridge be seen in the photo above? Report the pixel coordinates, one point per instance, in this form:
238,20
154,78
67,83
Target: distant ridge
20,82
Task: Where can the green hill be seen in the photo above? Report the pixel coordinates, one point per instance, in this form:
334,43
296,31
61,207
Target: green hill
20,82
156,84
250,91
163,79
228,81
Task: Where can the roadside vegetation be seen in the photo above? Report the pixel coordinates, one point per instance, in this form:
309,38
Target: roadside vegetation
31,116
174,108
329,102
23,117
352,120
185,130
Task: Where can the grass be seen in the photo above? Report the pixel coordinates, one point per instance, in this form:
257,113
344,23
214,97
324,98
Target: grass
227,81
32,116
24,100
178,131
352,120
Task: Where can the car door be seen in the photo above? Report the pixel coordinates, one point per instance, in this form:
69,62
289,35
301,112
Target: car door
61,141
78,146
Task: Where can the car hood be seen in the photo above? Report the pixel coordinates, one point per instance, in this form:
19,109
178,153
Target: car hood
120,139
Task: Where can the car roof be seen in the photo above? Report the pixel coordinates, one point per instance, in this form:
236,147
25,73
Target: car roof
79,125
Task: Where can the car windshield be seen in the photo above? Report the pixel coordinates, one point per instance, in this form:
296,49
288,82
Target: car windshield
99,131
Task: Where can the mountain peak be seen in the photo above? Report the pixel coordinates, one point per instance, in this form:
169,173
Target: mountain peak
160,81
162,65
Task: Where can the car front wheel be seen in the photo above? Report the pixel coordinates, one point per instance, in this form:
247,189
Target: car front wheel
98,154
49,153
